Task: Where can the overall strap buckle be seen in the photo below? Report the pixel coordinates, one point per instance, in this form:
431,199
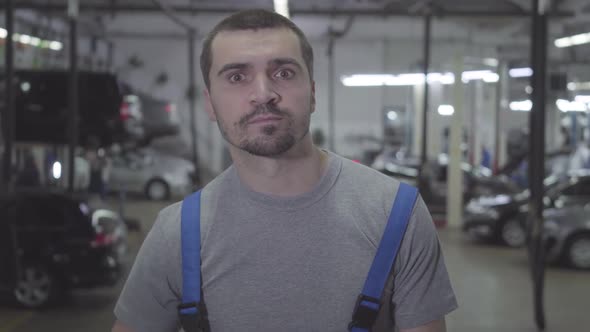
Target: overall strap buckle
193,317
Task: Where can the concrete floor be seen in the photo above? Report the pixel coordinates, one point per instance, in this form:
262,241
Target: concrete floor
492,285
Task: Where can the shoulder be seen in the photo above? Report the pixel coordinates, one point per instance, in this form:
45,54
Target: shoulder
368,185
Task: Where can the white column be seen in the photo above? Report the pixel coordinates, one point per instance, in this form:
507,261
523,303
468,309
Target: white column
454,172
418,112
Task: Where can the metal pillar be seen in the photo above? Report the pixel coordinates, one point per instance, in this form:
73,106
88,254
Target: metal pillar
73,91
331,96
192,95
537,156
8,116
110,55
424,151
501,101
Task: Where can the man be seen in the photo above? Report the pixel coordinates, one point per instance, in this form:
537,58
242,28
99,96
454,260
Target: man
288,231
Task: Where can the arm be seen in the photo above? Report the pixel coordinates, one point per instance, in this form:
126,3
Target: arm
422,293
436,326
120,327
149,299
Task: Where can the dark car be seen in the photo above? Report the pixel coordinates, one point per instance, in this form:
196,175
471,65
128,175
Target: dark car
50,242
42,107
502,217
160,117
477,181
567,236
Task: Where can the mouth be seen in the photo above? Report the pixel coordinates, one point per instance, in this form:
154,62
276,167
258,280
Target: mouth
265,119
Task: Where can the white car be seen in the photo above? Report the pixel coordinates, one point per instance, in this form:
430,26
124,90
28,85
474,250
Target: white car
154,174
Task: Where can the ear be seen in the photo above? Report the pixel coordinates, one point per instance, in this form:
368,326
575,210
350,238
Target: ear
209,106
312,96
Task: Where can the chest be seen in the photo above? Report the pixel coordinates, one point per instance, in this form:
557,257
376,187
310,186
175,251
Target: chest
299,271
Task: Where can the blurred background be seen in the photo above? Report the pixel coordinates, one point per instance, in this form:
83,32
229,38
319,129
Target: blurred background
102,125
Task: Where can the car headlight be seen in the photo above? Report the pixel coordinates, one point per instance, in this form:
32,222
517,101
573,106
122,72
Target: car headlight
475,208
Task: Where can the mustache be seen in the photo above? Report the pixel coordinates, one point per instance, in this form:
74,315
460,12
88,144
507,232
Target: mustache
260,110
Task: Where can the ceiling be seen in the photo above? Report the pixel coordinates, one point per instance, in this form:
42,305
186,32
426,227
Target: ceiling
488,8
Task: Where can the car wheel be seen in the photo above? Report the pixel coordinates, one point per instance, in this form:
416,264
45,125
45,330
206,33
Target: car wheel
578,251
513,234
157,190
35,287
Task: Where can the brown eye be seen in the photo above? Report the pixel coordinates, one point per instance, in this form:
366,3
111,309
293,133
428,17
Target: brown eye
236,78
284,74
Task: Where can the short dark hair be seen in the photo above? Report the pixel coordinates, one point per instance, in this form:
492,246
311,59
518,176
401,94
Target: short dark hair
253,19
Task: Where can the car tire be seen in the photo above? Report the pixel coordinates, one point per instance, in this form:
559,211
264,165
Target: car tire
578,252
513,234
157,190
36,287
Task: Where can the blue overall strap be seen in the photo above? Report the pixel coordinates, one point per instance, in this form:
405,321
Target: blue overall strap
192,312
369,302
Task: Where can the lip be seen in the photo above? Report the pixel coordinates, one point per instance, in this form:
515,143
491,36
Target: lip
265,119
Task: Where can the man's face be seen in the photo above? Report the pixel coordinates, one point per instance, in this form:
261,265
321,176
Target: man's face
261,94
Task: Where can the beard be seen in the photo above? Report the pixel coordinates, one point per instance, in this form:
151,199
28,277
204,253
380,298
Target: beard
272,140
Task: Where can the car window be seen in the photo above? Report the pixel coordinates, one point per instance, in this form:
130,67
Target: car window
41,212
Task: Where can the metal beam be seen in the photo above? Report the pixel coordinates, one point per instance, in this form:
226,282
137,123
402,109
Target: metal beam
319,11
9,110
537,156
73,92
426,67
192,96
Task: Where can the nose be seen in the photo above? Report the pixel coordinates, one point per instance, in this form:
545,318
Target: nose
263,91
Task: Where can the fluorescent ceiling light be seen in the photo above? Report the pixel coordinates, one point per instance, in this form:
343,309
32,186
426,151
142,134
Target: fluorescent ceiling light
491,62
574,40
282,7
522,106
35,41
56,170
573,86
444,78
25,39
446,110
471,75
392,115
582,98
55,45
571,106
32,40
410,79
520,72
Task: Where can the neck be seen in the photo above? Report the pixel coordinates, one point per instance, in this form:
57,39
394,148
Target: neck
293,173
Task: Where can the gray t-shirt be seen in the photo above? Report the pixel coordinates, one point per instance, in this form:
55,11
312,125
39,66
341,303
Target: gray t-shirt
290,264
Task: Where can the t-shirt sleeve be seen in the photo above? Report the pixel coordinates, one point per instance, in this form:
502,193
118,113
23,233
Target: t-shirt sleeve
422,291
149,299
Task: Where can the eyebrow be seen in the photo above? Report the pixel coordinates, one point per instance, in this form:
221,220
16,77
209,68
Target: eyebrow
274,62
285,61
232,66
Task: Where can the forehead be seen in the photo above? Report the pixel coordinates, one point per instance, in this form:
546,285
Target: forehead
251,46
